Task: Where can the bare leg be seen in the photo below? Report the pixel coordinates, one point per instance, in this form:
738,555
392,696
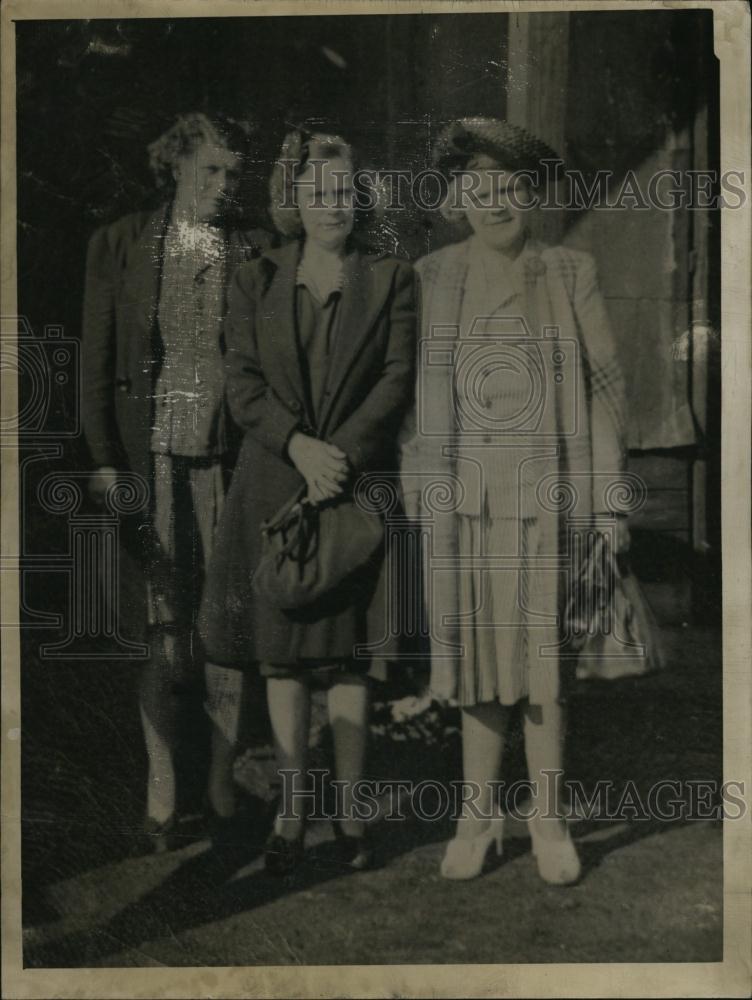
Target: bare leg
483,732
348,716
556,854
290,714
544,749
158,704
224,696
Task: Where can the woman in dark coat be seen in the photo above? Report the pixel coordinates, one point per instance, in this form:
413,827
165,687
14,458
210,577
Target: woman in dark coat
320,353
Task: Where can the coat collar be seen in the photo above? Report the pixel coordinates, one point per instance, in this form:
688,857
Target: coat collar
446,273
505,279
361,302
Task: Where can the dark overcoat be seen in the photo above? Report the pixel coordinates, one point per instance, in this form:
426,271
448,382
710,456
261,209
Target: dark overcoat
122,354
368,390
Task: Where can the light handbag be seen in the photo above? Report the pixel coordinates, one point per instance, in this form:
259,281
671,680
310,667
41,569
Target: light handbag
608,622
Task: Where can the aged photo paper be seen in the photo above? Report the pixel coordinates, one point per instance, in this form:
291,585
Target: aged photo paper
375,434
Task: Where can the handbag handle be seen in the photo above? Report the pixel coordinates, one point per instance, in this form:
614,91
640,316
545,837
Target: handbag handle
298,529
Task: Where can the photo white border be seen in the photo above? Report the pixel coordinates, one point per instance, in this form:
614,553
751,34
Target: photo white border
731,977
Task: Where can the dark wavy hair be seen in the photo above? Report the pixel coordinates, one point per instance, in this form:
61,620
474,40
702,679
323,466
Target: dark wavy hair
188,132
510,147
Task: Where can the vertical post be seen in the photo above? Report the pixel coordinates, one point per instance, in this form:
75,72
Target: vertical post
704,373
537,90
700,331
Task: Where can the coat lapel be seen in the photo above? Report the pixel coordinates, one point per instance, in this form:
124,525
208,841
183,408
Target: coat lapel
145,265
362,301
448,292
278,314
144,277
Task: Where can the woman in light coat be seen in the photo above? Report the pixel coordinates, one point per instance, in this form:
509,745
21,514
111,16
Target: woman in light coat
520,416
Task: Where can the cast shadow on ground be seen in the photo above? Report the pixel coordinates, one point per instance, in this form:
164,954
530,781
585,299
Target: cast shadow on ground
202,889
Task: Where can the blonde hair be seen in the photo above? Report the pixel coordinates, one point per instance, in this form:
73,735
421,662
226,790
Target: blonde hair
188,132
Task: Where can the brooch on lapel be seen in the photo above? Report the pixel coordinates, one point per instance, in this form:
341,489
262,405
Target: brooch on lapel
535,267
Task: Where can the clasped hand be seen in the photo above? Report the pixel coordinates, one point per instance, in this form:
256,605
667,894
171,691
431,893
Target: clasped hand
323,466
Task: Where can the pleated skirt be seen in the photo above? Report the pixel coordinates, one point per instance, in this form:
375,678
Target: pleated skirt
510,592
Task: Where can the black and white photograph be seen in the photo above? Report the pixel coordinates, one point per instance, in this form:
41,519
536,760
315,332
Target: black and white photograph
376,537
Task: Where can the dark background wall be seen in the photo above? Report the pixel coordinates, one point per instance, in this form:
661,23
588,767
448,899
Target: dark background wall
93,94
636,92
615,90
642,96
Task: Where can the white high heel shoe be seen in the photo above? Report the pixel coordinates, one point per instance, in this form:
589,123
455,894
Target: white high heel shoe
558,861
465,856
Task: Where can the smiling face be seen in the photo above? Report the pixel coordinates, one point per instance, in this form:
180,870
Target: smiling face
494,203
205,182
324,195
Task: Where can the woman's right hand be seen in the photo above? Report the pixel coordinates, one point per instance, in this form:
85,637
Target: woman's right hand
323,466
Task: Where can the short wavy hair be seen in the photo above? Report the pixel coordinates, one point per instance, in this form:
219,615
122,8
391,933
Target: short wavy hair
191,130
300,146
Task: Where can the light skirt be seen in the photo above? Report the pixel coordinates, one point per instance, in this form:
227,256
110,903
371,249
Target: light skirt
509,590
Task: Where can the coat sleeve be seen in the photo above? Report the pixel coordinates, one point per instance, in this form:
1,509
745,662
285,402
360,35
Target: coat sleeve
381,413
607,393
253,404
98,346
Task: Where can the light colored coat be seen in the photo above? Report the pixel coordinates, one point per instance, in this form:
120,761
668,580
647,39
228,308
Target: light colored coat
449,445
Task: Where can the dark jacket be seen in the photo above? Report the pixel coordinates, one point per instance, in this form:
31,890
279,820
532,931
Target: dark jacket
122,354
369,389
121,344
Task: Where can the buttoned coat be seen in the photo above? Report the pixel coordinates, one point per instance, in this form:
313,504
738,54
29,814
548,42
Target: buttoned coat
367,393
564,313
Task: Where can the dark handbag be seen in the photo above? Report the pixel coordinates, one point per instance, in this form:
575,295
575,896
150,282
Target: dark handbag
307,549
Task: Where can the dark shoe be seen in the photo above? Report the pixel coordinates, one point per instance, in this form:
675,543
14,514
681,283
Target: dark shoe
282,856
221,830
158,838
355,852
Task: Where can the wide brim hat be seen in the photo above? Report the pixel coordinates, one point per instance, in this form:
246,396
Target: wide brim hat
511,146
